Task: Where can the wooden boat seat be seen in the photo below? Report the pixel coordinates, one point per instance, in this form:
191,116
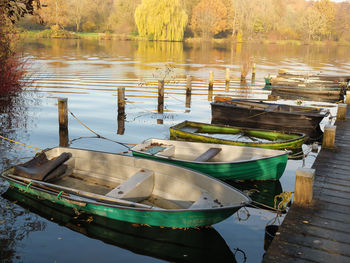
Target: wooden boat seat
209,154
205,201
136,188
42,169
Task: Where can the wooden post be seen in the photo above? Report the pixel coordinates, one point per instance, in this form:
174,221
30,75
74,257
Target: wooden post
63,121
341,113
211,86
329,136
121,124
121,111
211,80
304,183
121,100
160,96
188,91
253,72
347,99
228,76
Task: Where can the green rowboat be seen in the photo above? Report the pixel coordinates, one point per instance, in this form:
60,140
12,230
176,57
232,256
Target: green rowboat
203,132
126,188
227,162
172,245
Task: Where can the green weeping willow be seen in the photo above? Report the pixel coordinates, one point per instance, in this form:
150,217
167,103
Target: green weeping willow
161,20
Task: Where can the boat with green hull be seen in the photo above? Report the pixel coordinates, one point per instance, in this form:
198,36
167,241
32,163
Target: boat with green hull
177,245
127,189
203,132
226,162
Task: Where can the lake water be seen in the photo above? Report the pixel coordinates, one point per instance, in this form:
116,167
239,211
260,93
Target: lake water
88,73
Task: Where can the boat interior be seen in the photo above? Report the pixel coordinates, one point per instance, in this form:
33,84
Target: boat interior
109,177
203,152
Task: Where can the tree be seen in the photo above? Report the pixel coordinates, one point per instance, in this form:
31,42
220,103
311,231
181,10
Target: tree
55,12
161,20
122,18
209,18
76,11
313,23
326,8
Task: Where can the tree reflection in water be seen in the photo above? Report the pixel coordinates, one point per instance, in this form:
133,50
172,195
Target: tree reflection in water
15,222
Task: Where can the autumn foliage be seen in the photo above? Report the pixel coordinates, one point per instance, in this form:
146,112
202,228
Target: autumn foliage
12,67
209,18
161,20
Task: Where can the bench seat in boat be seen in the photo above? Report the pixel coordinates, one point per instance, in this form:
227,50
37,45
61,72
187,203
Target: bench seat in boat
136,188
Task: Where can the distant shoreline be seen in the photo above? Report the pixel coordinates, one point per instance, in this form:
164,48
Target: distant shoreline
49,34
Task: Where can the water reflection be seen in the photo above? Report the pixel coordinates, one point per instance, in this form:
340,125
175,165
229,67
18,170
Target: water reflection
15,225
262,192
13,125
191,245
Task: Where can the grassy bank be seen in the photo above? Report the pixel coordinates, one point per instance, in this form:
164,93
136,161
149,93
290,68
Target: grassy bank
49,33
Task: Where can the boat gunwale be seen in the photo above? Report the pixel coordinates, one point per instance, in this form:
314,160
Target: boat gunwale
302,135
313,114
208,162
101,203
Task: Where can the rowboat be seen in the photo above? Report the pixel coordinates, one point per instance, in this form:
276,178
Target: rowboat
314,74
176,245
224,162
259,114
313,89
223,134
126,188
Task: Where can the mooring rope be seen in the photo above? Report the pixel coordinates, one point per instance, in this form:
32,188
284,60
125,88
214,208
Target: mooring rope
98,135
26,145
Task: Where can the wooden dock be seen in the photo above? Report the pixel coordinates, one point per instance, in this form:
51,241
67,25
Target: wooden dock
320,232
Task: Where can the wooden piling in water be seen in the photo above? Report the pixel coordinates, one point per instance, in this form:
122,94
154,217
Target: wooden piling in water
121,100
341,113
253,73
63,121
228,76
304,183
160,96
188,91
211,80
121,111
329,136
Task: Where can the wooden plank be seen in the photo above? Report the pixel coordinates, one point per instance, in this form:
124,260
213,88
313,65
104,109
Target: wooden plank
209,154
282,251
320,232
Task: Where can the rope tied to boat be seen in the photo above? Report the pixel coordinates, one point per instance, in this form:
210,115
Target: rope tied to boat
98,135
285,199
246,212
26,145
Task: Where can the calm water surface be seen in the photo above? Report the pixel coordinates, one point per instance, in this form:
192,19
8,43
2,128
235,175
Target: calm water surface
89,73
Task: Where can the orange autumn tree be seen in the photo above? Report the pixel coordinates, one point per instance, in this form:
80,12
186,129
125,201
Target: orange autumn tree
209,17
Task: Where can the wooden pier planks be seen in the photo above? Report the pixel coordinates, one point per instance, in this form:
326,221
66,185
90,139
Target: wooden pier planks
320,232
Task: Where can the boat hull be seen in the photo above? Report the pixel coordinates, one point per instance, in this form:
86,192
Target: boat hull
167,218
142,240
227,114
287,141
265,169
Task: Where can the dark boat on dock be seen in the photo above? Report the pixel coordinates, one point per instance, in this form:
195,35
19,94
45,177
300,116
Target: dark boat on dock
259,114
